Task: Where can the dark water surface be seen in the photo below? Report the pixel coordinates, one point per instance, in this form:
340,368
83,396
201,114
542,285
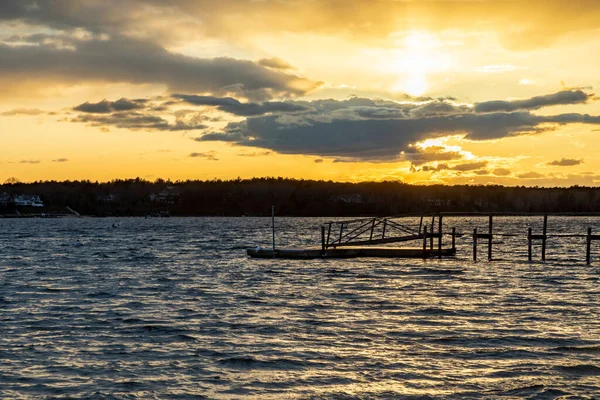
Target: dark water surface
172,308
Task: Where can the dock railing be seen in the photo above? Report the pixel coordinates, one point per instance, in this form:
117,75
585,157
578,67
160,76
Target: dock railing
395,229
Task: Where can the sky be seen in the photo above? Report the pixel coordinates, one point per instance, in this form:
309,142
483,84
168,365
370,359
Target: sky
421,91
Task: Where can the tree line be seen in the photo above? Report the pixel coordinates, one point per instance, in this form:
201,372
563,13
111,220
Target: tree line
294,197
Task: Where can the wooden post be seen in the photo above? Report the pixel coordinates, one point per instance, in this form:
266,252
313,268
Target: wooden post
328,234
341,230
529,249
491,224
273,224
454,238
372,229
432,231
544,229
425,241
384,225
475,244
420,224
588,249
323,239
440,236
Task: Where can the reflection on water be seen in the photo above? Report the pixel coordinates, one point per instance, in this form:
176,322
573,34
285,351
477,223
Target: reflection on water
172,308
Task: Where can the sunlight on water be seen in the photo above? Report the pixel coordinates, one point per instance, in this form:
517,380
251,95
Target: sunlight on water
172,308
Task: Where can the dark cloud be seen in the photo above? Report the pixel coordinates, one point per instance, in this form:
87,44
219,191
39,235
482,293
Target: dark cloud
211,155
566,162
61,160
135,121
29,161
137,61
346,133
105,106
564,97
318,161
235,107
356,129
22,112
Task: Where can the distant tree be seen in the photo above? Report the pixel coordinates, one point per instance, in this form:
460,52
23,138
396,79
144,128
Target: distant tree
12,181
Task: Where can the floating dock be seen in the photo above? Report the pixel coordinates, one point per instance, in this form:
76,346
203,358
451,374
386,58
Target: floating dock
348,252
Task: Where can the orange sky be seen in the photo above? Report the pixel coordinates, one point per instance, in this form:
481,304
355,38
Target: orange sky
425,92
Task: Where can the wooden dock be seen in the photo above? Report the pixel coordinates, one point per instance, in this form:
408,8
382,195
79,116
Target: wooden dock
348,252
359,237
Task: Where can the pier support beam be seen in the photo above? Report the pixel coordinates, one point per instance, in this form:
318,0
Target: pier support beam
425,241
491,224
475,244
440,237
323,239
454,238
432,232
588,249
529,245
544,229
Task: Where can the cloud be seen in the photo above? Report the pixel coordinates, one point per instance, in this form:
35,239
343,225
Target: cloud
464,167
275,63
29,161
371,136
530,175
563,97
355,129
360,20
419,156
566,162
501,172
137,61
318,160
106,106
211,155
235,107
60,160
135,121
255,154
22,112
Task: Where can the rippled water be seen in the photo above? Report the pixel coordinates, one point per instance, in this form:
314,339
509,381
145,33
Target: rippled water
172,308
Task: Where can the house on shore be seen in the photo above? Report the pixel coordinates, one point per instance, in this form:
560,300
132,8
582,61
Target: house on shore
27,200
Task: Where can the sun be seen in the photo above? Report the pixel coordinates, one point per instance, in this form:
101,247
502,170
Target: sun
415,85
419,55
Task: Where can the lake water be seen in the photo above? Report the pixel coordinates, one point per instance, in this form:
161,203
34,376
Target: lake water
173,308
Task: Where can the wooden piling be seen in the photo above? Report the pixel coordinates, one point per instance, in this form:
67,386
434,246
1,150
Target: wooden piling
588,249
545,228
432,232
372,229
440,236
341,231
425,241
475,244
454,238
323,238
384,225
420,224
273,225
491,224
529,245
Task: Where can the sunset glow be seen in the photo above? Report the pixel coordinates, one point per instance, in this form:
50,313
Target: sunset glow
320,90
